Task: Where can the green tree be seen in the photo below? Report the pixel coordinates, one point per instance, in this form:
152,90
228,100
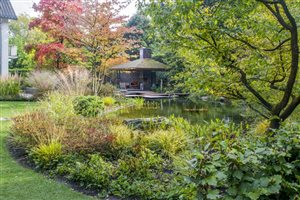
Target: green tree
141,35
22,37
247,50
146,36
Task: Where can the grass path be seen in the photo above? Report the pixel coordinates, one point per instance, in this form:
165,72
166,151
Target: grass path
19,183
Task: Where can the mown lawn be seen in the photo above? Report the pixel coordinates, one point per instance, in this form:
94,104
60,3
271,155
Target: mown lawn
17,182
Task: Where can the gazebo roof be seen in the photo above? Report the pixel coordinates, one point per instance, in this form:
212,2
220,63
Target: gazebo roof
141,64
6,10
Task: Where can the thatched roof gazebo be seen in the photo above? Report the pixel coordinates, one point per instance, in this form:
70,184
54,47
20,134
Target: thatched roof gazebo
139,74
141,64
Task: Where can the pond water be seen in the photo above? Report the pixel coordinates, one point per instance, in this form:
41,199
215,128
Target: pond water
194,112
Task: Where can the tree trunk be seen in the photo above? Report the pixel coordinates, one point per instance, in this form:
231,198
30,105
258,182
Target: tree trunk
274,124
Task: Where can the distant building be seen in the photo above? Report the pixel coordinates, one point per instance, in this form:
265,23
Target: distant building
6,13
139,74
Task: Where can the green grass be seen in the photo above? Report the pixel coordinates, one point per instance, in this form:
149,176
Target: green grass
17,182
13,108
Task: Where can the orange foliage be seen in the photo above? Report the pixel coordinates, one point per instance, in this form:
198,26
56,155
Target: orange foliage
94,28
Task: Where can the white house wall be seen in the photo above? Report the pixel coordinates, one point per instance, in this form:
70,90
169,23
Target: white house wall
4,47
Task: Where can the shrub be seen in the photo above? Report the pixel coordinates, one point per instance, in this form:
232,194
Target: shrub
166,142
262,127
47,156
88,135
35,128
145,176
58,106
88,106
108,101
246,167
106,90
125,138
94,173
141,165
74,81
183,161
44,81
9,86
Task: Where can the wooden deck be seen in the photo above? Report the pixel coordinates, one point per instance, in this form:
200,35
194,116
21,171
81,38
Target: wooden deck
147,94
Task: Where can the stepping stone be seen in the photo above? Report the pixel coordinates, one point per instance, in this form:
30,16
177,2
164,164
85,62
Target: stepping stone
4,119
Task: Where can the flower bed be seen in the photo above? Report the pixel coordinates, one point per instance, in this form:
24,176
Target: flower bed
68,137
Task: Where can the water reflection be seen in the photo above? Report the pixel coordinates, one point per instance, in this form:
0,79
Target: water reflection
194,112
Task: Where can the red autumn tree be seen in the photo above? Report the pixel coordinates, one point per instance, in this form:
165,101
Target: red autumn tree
94,27
54,18
100,31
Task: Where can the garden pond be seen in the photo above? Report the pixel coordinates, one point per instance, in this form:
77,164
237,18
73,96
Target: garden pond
193,111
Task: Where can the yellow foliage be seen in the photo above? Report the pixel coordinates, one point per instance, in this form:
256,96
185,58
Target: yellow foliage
170,142
262,127
124,137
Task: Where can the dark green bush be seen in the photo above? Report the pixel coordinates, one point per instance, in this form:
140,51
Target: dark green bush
148,176
88,106
247,167
93,173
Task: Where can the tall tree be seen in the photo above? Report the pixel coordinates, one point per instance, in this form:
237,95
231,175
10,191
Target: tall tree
141,36
91,29
247,50
100,31
53,19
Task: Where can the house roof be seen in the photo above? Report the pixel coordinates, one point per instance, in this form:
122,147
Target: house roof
6,10
141,64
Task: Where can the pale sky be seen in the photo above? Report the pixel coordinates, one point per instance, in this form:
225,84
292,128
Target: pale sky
25,6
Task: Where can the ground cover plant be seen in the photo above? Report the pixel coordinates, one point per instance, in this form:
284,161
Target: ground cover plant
178,161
